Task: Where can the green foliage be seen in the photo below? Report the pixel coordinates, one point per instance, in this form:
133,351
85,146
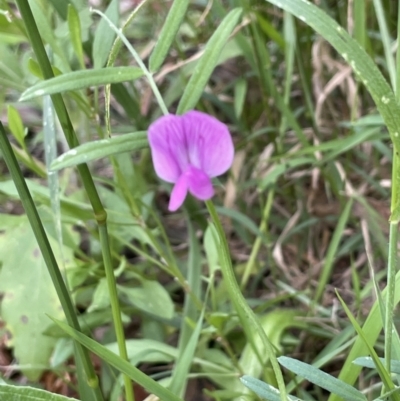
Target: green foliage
302,212
9,393
28,297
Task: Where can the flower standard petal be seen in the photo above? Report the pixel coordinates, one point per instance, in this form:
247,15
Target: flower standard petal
168,147
209,143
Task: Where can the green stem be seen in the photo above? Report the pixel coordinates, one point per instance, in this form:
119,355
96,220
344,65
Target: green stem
48,257
391,276
136,56
115,309
257,243
392,262
65,122
245,313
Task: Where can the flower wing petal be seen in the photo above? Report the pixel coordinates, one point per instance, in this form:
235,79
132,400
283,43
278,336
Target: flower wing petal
178,193
208,142
199,184
167,147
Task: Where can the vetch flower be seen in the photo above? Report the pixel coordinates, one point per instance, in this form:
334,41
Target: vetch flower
188,151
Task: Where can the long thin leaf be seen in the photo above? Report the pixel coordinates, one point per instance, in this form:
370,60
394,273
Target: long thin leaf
168,33
322,379
123,366
208,61
13,393
264,390
384,375
82,79
101,148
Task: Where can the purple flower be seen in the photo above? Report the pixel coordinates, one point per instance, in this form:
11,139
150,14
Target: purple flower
188,151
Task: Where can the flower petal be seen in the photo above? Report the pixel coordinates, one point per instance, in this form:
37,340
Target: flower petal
209,143
199,183
178,193
168,151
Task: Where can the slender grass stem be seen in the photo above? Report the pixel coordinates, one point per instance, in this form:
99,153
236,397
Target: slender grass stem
246,315
49,259
115,309
69,132
257,244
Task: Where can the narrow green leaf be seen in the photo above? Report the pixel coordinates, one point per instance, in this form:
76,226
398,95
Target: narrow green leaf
15,125
240,96
208,61
322,379
101,148
123,366
182,368
384,375
75,33
264,390
332,250
168,33
12,393
104,36
368,362
82,79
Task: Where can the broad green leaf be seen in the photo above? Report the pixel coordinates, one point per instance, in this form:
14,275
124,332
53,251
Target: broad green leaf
264,390
104,36
123,366
151,297
168,33
322,379
102,148
75,33
8,221
28,296
16,393
208,61
81,79
15,125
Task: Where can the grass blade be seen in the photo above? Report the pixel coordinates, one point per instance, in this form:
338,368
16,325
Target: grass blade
167,35
82,79
384,375
123,366
208,61
102,148
322,379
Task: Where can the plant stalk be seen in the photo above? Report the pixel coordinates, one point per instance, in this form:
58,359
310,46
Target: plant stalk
49,258
87,180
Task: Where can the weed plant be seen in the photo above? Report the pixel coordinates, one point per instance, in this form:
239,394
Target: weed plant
283,286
